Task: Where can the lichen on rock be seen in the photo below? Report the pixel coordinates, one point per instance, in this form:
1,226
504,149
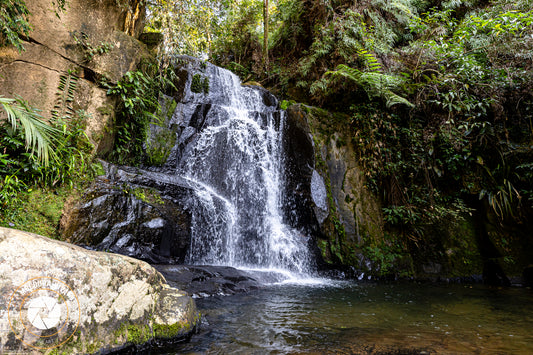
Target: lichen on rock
112,301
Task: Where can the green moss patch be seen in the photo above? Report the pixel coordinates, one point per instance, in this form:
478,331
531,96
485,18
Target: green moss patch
39,211
163,331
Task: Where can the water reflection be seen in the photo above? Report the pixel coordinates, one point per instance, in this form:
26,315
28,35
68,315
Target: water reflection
367,318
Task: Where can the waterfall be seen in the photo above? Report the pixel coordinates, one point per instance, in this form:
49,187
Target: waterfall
229,148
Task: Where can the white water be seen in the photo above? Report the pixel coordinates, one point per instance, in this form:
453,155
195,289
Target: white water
235,161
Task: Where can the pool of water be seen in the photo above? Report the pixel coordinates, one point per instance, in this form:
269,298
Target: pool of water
347,317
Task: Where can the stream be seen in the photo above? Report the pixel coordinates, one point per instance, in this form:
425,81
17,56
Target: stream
341,317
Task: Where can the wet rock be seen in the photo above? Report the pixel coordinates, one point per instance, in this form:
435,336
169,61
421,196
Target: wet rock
205,281
320,197
135,213
327,184
302,186
299,163
101,302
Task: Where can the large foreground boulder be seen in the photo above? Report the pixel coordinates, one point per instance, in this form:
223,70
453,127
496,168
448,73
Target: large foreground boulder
57,295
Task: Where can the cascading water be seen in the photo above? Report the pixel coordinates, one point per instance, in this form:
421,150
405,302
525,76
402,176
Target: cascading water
233,159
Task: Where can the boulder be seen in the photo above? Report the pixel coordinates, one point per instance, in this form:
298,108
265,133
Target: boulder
133,212
57,295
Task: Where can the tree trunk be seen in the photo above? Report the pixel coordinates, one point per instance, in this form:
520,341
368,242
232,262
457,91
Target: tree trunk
265,34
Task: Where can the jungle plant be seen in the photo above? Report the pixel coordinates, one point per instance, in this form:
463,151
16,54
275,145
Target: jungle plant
39,136
138,94
13,23
375,84
90,50
20,169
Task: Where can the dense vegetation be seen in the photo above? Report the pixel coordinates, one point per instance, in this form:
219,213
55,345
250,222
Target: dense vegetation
439,97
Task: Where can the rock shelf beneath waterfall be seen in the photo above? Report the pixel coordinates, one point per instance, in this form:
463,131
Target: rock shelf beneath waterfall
206,280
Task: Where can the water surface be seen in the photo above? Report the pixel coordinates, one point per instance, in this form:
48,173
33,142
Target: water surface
345,318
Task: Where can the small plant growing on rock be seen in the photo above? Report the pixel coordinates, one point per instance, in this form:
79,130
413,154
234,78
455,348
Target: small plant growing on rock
90,50
199,84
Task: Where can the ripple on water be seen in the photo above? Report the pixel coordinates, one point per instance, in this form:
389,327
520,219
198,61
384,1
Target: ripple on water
348,318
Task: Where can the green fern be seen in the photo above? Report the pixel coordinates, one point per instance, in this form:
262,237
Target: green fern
65,97
370,60
376,85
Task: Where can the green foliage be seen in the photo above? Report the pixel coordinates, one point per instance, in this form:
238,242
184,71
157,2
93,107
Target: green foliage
36,210
32,192
10,188
200,84
39,136
13,23
237,41
284,104
138,94
454,69
158,149
374,83
65,97
90,50
138,334
188,26
163,331
386,259
71,147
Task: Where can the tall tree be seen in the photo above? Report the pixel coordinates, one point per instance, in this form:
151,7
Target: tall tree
265,34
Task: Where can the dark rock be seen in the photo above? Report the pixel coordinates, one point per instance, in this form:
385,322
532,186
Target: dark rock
527,276
300,210
139,214
326,185
268,98
151,39
299,163
493,274
205,281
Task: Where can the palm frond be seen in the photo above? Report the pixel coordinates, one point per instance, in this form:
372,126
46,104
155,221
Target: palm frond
39,136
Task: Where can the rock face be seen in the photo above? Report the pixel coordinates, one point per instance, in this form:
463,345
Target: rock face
321,156
105,302
133,212
58,75
329,185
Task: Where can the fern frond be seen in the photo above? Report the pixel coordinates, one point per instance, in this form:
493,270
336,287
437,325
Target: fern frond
375,84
